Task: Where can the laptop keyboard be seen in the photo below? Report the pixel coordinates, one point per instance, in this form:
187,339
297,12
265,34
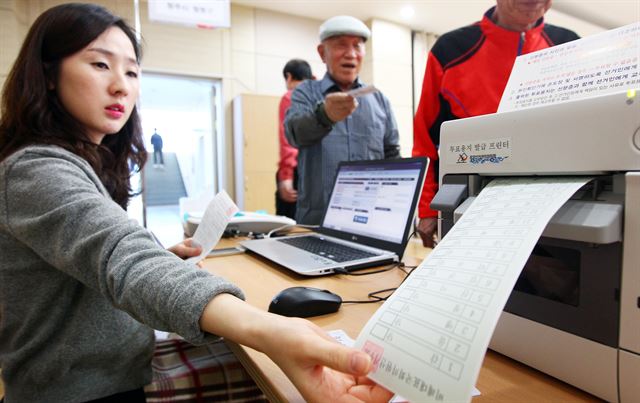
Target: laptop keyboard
331,250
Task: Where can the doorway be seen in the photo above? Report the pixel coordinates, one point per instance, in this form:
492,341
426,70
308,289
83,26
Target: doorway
183,112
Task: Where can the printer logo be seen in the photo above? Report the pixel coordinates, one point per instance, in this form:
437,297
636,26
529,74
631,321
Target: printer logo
462,158
487,159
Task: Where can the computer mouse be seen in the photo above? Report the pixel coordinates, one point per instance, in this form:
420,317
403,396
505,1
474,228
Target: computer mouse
304,302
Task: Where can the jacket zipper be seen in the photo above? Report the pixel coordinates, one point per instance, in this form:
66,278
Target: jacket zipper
521,43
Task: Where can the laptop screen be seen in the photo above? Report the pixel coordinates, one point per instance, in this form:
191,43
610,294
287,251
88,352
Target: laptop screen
374,198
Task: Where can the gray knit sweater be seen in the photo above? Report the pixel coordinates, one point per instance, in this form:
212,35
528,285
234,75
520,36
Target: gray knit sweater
76,279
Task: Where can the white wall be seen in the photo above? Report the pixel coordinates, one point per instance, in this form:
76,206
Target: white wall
389,61
279,38
577,25
12,31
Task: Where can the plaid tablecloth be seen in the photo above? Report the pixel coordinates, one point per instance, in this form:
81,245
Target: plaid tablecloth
211,373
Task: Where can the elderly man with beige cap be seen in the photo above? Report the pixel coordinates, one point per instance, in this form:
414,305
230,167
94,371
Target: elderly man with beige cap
328,124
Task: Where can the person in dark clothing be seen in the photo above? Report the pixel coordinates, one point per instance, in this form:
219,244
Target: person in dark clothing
295,72
156,141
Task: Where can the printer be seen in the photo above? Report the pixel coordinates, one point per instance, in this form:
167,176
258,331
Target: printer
575,310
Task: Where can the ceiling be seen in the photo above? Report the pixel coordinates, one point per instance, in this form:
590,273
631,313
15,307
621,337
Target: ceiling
439,16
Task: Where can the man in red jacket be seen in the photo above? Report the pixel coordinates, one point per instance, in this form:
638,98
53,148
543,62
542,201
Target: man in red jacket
294,72
467,71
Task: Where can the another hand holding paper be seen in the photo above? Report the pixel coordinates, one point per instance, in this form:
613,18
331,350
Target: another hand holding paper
339,105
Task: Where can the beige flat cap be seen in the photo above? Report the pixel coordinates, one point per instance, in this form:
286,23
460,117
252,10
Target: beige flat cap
343,25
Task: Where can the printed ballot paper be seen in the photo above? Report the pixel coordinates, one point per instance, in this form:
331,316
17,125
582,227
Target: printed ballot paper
343,338
429,338
604,63
215,220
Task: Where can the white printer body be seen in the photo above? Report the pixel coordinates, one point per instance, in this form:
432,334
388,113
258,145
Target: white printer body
575,310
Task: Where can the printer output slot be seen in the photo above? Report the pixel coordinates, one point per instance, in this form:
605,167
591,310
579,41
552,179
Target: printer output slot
592,190
594,214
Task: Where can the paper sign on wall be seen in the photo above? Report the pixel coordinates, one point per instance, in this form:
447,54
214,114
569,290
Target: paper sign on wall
201,14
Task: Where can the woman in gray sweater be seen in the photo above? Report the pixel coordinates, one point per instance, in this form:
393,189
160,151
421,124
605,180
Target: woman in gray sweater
80,284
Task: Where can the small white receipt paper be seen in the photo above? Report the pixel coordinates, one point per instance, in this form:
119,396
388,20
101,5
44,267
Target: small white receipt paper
429,338
215,220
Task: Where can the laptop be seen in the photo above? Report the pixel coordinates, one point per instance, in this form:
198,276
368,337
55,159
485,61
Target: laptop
366,222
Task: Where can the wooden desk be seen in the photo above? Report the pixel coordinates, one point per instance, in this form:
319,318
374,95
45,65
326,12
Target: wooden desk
501,378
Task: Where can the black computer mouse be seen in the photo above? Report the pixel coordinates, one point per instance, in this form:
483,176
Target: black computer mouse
304,302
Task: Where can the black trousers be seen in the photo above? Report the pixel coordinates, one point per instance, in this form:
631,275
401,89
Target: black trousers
285,208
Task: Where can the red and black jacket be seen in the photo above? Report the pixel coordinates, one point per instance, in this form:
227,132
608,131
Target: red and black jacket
467,71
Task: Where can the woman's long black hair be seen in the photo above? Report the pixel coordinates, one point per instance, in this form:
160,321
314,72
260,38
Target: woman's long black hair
33,114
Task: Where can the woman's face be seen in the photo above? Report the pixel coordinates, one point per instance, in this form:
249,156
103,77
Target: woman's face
99,85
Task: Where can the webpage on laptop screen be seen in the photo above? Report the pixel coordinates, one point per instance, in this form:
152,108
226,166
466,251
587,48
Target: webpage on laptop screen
373,201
